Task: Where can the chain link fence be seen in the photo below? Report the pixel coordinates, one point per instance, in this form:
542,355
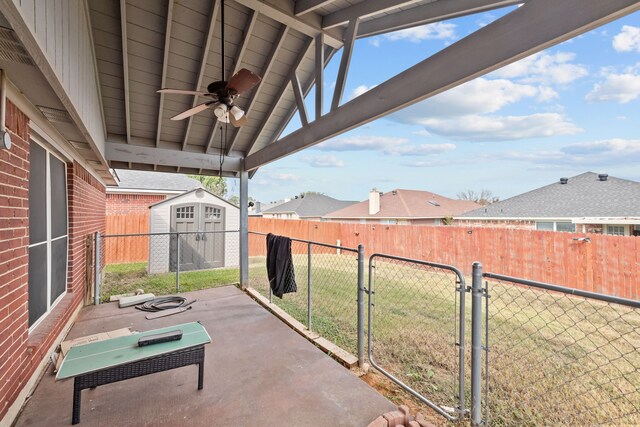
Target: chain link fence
327,282
415,327
557,356
166,263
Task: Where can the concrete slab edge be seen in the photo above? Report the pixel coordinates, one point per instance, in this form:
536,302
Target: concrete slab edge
341,355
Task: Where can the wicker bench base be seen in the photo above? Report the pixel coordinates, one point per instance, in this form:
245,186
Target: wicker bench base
163,362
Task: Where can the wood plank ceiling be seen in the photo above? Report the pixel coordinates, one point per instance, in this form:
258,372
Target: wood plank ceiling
143,45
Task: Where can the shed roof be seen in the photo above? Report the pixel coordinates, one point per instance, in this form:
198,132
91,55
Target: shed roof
583,195
179,196
145,180
407,204
311,205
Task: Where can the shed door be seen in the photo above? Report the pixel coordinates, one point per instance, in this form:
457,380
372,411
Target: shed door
212,244
199,247
184,219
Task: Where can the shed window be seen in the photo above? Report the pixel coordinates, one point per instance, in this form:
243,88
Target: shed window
212,213
185,212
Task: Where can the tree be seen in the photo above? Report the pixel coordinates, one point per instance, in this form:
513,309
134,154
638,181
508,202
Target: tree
310,193
484,197
215,184
235,200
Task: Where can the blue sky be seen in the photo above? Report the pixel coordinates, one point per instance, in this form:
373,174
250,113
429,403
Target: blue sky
572,108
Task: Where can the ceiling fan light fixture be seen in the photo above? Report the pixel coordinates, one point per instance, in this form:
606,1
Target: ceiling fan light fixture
221,111
236,112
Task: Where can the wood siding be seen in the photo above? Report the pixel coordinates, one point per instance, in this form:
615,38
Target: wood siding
63,32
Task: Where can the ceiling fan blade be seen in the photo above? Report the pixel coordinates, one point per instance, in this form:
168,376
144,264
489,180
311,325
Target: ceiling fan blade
183,92
190,112
243,80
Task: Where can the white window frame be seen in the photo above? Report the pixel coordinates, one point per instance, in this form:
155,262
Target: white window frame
555,226
49,241
625,229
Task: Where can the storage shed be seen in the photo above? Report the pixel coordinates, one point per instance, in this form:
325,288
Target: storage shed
202,225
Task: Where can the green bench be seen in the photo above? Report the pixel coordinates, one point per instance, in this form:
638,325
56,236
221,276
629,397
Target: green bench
119,359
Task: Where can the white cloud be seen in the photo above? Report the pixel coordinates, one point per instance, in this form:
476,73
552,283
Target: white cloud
621,88
501,128
545,93
323,161
435,31
628,39
359,91
602,153
475,97
361,143
544,68
420,150
393,146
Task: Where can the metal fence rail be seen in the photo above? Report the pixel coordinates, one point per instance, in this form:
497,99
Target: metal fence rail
416,329
165,263
559,356
327,277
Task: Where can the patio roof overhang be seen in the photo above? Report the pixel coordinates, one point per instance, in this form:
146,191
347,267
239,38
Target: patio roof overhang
141,46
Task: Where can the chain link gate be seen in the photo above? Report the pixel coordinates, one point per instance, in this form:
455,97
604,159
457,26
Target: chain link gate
553,355
416,329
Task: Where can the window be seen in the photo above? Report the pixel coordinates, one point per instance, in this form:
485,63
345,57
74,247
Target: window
544,226
47,232
556,226
616,230
185,212
212,213
565,226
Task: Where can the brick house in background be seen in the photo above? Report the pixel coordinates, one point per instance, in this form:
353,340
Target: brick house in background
128,204
586,203
402,207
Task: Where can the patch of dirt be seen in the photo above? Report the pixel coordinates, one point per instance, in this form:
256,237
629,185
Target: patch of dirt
398,396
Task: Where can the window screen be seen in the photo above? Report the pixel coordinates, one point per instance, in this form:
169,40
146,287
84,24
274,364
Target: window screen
37,282
58,198
37,194
58,268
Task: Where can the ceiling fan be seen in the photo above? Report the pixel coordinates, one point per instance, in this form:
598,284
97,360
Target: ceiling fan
222,93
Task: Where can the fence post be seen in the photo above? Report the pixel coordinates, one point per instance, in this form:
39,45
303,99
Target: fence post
361,306
309,286
178,262
98,269
476,345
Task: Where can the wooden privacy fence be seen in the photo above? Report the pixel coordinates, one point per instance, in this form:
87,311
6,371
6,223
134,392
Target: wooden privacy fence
126,249
606,264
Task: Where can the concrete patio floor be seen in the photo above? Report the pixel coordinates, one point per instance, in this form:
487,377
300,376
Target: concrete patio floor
258,372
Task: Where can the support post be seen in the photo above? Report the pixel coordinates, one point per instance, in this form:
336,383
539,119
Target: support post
178,263
98,268
244,228
361,306
476,345
309,286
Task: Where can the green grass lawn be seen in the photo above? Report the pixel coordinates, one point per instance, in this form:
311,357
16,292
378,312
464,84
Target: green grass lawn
126,278
554,360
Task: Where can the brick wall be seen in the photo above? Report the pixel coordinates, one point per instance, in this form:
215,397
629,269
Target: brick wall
22,352
119,204
14,242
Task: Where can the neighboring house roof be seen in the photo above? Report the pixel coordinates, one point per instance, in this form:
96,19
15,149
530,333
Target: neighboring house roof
408,204
179,196
311,205
154,181
584,195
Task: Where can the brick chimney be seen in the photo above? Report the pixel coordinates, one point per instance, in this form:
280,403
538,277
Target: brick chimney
374,202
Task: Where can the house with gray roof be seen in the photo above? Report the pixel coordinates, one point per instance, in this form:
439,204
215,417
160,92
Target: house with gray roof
586,203
137,190
310,207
